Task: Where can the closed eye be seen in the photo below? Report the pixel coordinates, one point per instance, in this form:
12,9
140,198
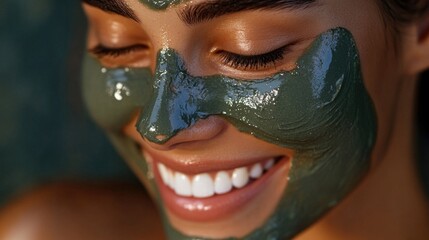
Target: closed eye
253,62
102,51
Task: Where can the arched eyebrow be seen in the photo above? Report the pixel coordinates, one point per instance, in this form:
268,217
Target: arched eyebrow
114,6
206,11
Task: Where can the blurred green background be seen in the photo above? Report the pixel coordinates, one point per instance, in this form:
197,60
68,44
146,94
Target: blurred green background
45,133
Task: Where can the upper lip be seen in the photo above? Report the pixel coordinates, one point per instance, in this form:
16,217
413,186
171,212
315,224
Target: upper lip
193,166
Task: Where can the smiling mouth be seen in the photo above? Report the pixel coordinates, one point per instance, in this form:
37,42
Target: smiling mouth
214,195
208,184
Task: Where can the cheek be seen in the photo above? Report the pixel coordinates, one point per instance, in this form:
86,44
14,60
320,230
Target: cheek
112,96
382,74
381,68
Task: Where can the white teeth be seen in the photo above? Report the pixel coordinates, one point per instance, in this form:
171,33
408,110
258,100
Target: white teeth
240,177
163,172
170,179
222,183
269,164
202,186
256,171
183,185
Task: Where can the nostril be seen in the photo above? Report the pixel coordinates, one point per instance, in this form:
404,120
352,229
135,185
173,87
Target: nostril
203,130
161,137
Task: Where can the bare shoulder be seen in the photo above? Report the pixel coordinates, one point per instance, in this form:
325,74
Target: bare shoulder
82,211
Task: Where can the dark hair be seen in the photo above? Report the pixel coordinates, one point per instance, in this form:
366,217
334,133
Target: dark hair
400,12
404,11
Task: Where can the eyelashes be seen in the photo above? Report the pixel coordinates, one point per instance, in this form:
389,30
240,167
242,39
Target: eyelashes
253,62
233,60
101,51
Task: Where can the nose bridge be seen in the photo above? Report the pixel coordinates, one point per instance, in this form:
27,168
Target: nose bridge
170,108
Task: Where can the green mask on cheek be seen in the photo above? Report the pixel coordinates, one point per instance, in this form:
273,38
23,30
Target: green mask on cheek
320,109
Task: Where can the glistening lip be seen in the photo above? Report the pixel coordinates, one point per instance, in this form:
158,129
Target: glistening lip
205,202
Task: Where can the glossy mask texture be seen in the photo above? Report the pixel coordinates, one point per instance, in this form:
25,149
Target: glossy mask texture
320,109
160,4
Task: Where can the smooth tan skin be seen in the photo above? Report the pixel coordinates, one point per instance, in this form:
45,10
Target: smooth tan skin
84,211
389,204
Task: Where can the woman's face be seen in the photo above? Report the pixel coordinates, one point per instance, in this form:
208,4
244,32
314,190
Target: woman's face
238,165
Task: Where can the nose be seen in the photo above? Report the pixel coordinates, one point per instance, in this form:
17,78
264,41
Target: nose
202,130
174,106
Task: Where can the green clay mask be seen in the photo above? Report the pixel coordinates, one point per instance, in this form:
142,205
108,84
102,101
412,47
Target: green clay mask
160,4
320,110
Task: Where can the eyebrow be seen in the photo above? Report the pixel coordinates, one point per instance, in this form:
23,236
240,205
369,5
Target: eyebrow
206,11
114,6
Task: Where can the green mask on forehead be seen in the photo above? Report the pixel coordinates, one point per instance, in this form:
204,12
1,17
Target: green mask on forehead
160,4
320,109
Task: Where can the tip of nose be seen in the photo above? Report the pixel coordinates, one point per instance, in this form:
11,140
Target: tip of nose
156,138
161,137
158,141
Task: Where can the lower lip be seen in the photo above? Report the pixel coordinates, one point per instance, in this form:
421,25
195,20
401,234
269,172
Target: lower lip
218,206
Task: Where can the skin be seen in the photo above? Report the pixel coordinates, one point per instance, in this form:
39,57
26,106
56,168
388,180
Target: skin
389,202
186,146
323,106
